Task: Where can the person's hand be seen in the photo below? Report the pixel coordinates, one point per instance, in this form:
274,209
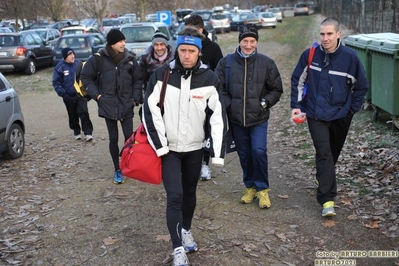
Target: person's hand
66,98
297,116
295,112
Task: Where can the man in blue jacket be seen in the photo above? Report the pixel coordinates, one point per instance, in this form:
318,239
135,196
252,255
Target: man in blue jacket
63,79
334,91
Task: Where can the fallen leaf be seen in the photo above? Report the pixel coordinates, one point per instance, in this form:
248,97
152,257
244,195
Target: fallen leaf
329,223
1,209
283,196
165,238
281,236
346,201
109,241
373,225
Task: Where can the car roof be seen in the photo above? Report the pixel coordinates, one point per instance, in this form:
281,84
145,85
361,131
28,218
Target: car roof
144,23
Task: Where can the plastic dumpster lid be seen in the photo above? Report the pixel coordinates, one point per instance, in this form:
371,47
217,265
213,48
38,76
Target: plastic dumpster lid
363,40
389,46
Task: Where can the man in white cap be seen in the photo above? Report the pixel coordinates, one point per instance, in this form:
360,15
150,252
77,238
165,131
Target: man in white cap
177,133
63,80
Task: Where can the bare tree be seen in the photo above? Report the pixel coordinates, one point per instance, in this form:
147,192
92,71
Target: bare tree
55,8
93,8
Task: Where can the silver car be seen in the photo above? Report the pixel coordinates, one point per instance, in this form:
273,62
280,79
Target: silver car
12,125
139,35
277,13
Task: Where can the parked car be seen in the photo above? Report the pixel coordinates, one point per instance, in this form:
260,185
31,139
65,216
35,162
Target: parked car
182,13
12,125
301,9
277,13
205,14
24,51
108,24
90,22
133,16
243,19
5,29
78,30
267,19
151,17
84,45
64,23
208,27
50,35
139,35
220,22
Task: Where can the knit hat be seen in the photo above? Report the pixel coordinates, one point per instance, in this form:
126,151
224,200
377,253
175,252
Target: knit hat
115,36
67,51
248,31
159,37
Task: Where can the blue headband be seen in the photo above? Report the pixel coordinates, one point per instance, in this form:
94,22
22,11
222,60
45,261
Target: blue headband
181,39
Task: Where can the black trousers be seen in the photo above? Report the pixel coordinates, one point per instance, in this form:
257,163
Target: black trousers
77,109
180,172
328,139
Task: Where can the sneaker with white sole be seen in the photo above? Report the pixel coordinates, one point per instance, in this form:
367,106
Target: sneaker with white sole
205,172
188,242
78,137
179,257
89,137
328,209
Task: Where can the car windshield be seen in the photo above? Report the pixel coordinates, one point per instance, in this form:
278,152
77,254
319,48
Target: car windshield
267,15
72,42
8,40
76,31
219,16
138,34
112,22
42,33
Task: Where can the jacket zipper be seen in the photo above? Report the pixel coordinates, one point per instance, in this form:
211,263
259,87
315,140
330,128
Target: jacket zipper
245,93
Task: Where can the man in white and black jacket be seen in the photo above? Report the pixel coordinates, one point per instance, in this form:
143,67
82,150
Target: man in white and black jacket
177,132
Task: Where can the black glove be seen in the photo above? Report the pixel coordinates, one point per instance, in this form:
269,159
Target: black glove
66,98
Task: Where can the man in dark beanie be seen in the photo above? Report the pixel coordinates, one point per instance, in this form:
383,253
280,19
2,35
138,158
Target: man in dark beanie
254,87
113,78
210,55
158,53
63,80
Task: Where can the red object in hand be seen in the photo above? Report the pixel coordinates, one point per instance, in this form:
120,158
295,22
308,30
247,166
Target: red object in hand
299,118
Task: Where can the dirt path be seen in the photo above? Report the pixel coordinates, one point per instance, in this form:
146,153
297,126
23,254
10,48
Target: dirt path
58,205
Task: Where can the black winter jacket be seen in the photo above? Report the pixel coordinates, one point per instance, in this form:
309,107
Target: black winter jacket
211,52
251,79
119,85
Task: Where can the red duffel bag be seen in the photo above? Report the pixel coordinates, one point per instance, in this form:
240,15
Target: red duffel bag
139,160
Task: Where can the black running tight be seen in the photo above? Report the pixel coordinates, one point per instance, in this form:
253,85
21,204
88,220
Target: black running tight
113,134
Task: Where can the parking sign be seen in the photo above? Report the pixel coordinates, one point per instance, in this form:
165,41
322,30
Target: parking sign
165,17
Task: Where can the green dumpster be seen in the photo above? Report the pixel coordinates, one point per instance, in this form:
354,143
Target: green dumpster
360,43
385,74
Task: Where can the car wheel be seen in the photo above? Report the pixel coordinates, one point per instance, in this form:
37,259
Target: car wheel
15,142
31,69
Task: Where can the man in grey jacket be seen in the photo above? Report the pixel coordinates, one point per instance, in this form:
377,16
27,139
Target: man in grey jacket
255,86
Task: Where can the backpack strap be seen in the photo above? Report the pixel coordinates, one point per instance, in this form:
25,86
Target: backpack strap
310,57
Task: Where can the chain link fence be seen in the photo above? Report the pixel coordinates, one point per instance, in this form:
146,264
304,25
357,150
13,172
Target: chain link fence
364,16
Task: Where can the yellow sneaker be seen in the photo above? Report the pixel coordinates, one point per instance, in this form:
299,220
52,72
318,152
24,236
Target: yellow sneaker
263,196
249,195
328,209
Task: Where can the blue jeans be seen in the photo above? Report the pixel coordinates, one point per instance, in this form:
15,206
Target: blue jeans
251,144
